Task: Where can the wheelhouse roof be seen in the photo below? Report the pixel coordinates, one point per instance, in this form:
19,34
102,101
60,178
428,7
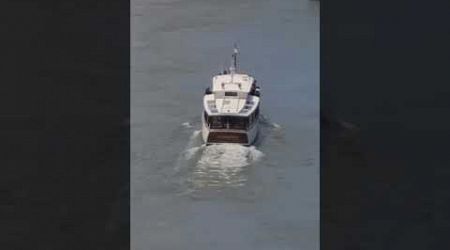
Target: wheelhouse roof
232,82
230,95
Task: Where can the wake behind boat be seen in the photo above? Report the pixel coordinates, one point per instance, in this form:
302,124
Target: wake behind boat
231,108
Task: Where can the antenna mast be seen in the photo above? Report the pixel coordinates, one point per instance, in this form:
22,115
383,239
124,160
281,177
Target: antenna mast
233,67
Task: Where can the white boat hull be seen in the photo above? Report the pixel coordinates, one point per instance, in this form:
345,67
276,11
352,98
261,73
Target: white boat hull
249,134
231,108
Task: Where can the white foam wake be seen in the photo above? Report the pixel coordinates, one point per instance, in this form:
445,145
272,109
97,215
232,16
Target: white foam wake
195,134
275,125
186,125
190,150
223,164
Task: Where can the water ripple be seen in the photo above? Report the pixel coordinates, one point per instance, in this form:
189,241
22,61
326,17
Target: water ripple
223,165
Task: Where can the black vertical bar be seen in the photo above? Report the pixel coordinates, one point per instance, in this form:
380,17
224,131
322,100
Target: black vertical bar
64,124
385,131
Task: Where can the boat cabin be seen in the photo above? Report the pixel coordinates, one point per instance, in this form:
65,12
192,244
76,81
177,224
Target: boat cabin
231,121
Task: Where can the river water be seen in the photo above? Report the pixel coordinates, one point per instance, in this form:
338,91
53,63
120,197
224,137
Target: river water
188,196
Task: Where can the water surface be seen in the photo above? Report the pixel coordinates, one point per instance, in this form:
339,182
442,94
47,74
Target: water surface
188,196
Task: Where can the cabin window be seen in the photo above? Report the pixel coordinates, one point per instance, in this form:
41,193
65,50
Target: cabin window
231,93
238,122
254,116
217,122
228,122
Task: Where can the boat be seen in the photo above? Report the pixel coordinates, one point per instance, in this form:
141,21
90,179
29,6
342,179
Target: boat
231,107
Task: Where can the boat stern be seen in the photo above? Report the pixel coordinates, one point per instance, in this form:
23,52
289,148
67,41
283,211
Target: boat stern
227,137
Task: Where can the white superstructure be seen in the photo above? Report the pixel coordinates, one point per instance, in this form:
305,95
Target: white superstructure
231,108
